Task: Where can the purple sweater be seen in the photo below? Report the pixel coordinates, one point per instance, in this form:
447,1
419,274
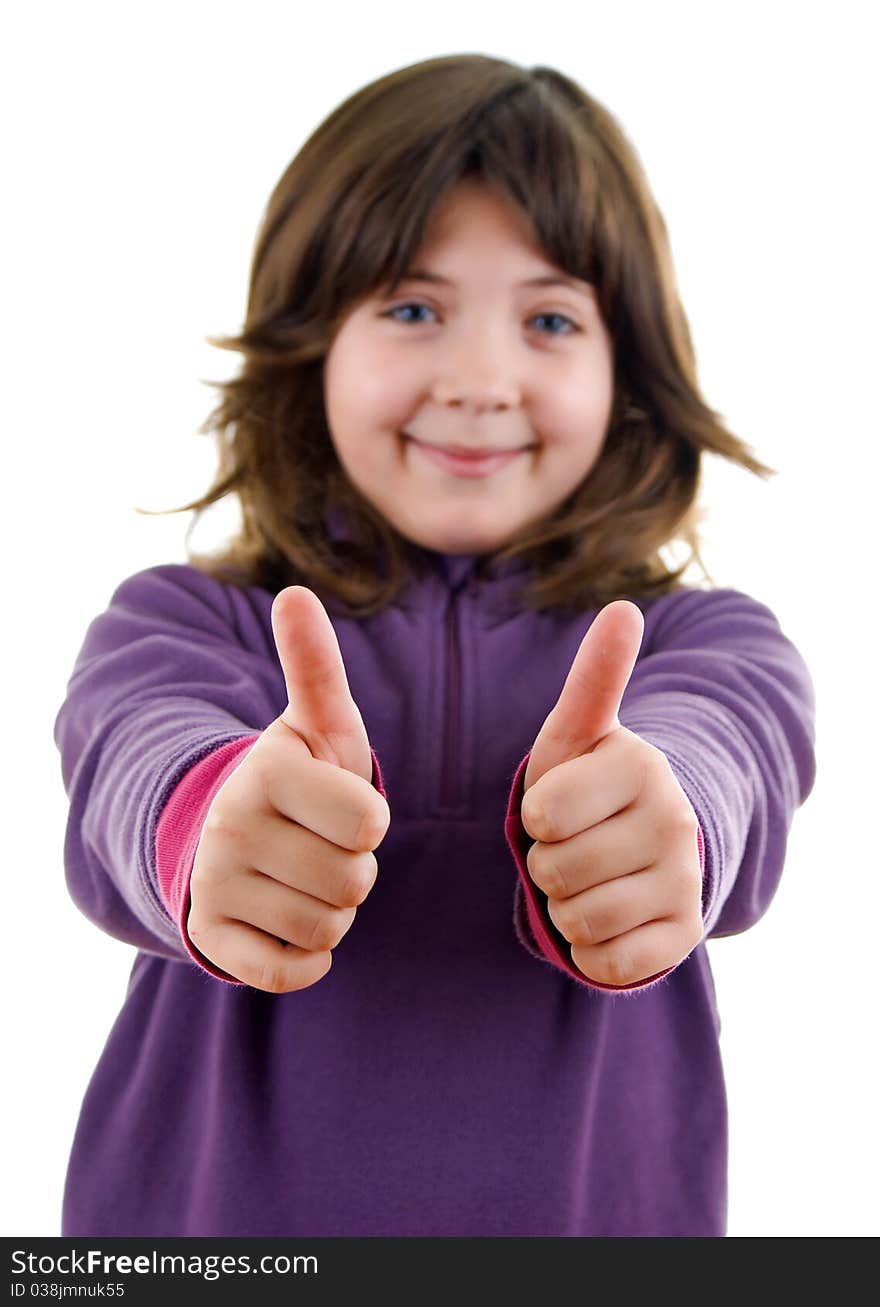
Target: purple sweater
453,1073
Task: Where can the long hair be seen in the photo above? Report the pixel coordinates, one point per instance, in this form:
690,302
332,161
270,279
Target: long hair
348,215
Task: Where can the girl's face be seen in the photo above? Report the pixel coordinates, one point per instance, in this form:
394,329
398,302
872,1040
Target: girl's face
468,353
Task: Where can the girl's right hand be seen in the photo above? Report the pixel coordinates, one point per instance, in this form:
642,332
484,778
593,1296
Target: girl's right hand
285,854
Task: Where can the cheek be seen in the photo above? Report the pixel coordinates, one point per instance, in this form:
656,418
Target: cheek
575,416
373,390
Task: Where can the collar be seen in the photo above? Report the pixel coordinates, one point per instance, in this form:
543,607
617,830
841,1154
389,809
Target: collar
456,571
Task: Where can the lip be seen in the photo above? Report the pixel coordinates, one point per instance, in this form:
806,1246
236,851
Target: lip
468,463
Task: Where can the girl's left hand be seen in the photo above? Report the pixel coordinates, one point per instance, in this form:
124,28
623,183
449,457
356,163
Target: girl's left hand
616,849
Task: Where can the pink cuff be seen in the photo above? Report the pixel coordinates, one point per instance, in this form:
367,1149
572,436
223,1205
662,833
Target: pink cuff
178,832
180,827
548,939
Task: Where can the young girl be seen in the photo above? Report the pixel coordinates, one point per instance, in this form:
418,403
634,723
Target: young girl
420,801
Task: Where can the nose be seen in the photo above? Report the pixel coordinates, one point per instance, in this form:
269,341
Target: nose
476,382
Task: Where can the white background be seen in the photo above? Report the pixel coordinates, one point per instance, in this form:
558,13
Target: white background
142,142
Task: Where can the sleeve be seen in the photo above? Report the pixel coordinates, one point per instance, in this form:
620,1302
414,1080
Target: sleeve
729,700
176,667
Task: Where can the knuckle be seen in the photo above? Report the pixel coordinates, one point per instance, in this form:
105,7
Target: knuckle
321,936
302,977
545,873
383,818
372,827
556,913
533,814
580,925
583,930
687,883
548,829
573,925
359,879
272,977
654,763
542,825
618,967
682,822
327,930
212,870
697,930
364,831
221,826
266,769
257,768
585,959
197,928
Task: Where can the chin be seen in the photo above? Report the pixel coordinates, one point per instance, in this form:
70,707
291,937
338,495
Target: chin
449,543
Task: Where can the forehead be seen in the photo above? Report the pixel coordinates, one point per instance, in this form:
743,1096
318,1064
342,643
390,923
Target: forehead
475,227
474,209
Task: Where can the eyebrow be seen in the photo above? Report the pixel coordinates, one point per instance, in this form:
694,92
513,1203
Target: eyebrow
552,279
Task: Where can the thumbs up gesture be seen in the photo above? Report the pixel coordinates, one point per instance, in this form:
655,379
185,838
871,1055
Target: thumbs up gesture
285,853
616,837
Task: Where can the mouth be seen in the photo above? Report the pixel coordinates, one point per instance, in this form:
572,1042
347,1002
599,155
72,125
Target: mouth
466,461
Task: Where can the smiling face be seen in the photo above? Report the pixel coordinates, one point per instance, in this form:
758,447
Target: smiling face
482,361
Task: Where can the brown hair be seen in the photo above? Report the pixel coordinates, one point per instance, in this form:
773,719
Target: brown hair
348,215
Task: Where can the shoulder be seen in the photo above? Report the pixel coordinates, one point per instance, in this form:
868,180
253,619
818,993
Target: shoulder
692,599
705,614
171,595
182,579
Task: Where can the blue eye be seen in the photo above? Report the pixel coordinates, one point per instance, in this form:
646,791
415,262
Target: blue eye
561,317
415,304
400,307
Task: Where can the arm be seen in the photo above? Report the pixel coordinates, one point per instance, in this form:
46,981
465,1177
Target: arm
177,666
729,700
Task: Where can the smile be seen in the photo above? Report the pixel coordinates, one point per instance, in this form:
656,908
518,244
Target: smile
467,465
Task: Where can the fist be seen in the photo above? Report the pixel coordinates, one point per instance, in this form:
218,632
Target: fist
615,835
285,856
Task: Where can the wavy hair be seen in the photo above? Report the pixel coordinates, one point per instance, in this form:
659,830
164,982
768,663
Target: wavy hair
349,215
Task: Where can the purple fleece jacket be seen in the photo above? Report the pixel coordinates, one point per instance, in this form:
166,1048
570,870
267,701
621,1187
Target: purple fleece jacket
452,1074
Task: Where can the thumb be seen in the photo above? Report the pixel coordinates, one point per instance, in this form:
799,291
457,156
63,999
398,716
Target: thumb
320,707
587,707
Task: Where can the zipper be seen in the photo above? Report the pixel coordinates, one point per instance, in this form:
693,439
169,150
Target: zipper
449,790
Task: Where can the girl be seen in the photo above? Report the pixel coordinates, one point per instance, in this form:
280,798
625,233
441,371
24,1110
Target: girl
421,799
